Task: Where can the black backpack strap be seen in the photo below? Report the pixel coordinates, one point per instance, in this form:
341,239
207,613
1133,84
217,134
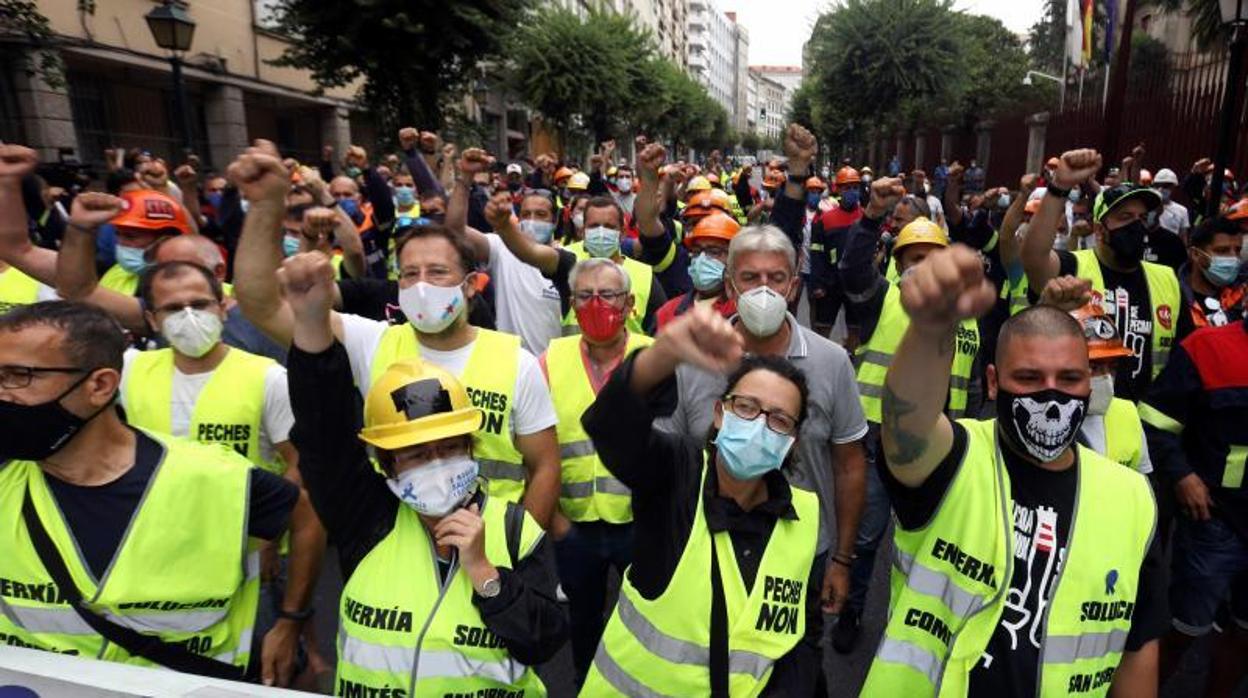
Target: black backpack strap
151,648
514,525
719,630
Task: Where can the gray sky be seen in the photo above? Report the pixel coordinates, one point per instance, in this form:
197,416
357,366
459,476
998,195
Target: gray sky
778,28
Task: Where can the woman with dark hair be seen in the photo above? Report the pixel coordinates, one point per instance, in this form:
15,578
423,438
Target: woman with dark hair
723,593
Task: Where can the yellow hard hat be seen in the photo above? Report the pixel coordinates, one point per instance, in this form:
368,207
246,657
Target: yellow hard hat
920,231
699,183
578,182
415,402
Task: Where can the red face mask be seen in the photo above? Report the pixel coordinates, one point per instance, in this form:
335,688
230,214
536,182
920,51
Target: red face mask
599,320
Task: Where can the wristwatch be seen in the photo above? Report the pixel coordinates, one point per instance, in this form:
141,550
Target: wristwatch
490,588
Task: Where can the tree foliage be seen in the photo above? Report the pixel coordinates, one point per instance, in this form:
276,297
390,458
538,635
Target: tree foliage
414,55
21,18
604,75
887,64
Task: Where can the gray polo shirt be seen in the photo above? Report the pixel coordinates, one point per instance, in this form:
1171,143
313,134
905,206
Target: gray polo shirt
834,412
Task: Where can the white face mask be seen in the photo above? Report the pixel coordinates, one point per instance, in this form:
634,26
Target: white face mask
432,308
625,184
578,219
762,310
1102,393
437,487
192,332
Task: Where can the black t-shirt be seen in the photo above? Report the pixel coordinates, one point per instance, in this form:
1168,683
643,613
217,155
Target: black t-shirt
1043,503
98,516
1164,247
1128,305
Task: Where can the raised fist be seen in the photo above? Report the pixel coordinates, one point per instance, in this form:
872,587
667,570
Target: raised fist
474,161
265,147
498,211
1076,167
701,337
1027,184
186,175
408,138
92,209
956,171
429,142
1067,292
154,174
608,147
651,159
885,193
307,282
319,221
260,177
17,161
947,287
1138,151
1203,166
799,144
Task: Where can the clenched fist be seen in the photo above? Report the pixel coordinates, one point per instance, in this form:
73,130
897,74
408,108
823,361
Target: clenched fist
260,177
498,211
319,221
1076,167
17,161
357,157
800,146
650,160
1067,293
307,282
885,193
92,209
408,138
701,337
947,287
474,161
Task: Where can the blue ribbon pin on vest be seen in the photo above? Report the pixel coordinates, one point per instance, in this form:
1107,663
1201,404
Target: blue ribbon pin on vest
1110,580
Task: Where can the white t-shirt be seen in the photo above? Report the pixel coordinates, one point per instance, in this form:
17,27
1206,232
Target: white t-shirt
531,410
1173,217
525,302
275,423
1094,431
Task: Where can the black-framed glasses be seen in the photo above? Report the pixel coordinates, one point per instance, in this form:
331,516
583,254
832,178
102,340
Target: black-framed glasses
612,297
13,377
749,409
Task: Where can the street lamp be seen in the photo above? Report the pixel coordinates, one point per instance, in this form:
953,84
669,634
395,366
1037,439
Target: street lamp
173,29
1027,81
1235,16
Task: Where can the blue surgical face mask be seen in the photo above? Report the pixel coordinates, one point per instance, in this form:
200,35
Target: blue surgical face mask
539,231
850,198
351,207
1003,201
214,199
601,241
353,172
404,196
130,258
706,272
749,449
290,246
812,200
1222,271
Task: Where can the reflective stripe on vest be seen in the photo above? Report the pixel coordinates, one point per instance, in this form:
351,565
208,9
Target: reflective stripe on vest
228,411
661,647
490,379
1164,299
875,356
185,570
120,280
640,278
16,289
949,578
588,492
427,637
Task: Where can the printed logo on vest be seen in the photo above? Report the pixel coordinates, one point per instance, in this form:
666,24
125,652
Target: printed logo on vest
1084,683
929,623
1164,316
469,636
351,689
495,407
782,599
968,566
1111,580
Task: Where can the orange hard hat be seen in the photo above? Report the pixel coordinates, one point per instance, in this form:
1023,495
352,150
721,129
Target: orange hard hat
773,180
563,173
718,198
714,225
1032,207
815,184
847,175
1099,330
149,209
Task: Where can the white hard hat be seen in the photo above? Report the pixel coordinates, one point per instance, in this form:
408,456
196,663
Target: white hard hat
514,168
1166,176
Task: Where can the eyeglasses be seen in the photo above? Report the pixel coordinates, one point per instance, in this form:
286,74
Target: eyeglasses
14,377
612,297
749,409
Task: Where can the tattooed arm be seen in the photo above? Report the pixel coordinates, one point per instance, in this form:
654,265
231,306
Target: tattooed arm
946,288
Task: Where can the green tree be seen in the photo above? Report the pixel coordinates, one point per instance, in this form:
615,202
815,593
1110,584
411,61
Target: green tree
1150,64
994,65
414,55
22,19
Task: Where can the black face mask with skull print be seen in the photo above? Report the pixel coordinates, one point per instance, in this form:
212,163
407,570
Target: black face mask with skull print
1042,424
